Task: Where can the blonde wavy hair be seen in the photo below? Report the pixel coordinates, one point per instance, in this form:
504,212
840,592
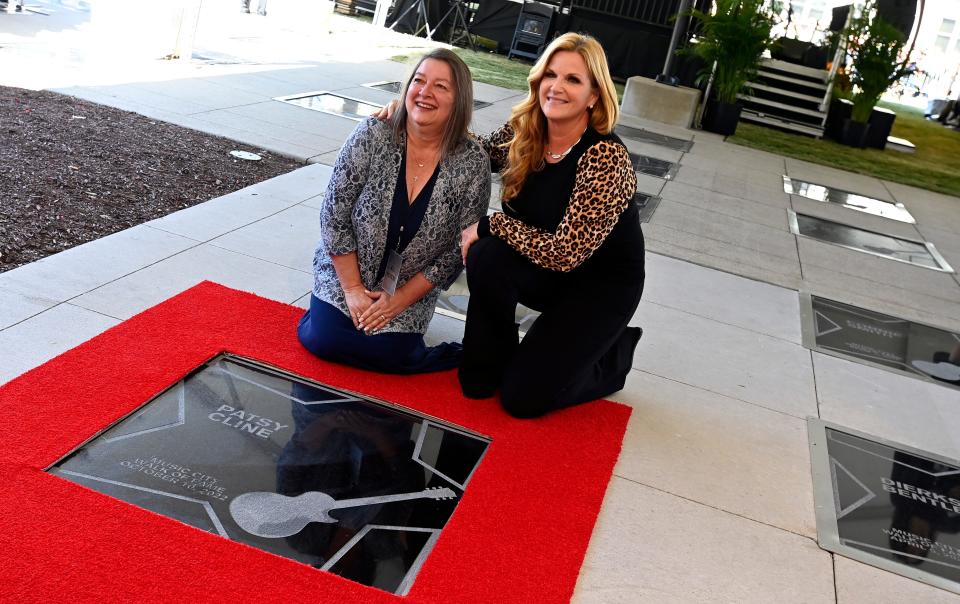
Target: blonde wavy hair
529,124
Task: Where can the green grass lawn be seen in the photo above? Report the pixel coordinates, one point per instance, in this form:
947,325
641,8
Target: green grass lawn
935,165
498,70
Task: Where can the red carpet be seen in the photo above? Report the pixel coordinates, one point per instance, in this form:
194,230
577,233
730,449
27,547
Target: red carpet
518,535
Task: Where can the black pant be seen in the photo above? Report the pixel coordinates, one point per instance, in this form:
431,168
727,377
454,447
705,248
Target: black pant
579,349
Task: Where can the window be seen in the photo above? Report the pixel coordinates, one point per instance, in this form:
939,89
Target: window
941,43
946,27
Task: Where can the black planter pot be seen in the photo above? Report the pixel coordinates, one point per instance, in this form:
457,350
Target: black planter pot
854,134
721,118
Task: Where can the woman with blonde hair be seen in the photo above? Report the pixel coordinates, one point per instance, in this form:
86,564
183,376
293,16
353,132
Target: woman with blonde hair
568,243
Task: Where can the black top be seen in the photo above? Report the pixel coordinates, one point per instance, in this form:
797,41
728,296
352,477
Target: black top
405,217
544,198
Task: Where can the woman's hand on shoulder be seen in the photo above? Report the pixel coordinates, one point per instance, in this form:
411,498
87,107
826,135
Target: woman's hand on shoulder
358,301
387,111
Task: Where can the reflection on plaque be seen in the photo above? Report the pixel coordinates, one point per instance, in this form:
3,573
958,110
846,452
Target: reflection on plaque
660,168
331,479
645,136
886,504
878,339
886,209
394,88
919,253
647,204
453,303
335,104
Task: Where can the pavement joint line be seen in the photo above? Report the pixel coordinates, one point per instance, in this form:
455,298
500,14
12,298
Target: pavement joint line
722,322
717,508
796,245
212,243
816,387
227,108
833,567
96,312
288,206
728,243
726,396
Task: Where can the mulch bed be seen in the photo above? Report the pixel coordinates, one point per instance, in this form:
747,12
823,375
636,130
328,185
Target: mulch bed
72,171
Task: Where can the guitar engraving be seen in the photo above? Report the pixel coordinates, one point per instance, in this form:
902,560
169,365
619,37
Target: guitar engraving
274,515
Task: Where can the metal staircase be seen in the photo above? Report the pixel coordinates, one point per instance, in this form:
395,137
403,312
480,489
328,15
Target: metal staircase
788,96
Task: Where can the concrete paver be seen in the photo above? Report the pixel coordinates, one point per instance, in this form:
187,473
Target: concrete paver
903,409
40,338
723,297
718,451
741,209
725,359
151,285
650,546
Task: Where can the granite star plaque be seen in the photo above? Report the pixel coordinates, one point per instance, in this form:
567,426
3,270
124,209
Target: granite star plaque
331,479
886,504
874,338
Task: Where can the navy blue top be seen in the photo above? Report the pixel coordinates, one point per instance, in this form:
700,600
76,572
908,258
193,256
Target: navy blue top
405,217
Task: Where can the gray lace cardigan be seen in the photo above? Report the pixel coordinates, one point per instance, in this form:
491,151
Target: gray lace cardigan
355,215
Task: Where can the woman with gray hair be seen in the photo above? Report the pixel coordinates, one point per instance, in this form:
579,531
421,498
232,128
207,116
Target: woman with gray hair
400,195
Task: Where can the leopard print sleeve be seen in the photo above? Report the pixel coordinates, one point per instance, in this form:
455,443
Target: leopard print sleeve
496,146
603,190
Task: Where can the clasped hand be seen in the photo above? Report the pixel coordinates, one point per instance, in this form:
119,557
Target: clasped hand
371,311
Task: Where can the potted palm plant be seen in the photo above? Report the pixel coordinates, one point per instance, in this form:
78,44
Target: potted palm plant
874,47
731,42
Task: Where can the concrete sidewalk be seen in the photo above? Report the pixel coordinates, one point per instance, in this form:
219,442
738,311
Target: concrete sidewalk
712,496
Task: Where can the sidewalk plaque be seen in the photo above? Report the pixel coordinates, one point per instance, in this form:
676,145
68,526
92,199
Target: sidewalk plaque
331,479
334,104
886,504
653,166
647,204
852,201
877,339
917,253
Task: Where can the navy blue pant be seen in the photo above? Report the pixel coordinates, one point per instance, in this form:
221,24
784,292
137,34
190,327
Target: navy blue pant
329,334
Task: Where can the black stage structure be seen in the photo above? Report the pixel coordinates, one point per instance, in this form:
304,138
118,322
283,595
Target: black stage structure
636,34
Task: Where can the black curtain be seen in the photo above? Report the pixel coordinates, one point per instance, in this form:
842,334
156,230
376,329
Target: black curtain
497,20
408,25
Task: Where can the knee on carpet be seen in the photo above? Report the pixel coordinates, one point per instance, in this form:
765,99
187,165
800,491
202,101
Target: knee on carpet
525,400
315,341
